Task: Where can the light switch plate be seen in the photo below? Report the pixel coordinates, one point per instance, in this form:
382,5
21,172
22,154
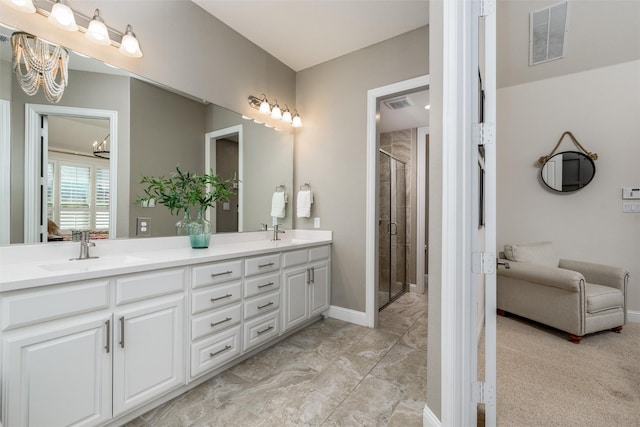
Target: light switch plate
631,207
316,222
630,193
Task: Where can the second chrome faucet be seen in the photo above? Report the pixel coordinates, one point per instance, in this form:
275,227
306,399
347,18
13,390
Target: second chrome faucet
85,244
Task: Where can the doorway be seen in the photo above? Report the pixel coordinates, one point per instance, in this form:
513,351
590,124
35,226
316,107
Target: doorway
392,229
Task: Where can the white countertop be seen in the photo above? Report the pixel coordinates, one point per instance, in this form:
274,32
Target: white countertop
27,266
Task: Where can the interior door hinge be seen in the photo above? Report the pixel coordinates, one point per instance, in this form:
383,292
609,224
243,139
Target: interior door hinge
483,133
482,392
483,263
484,7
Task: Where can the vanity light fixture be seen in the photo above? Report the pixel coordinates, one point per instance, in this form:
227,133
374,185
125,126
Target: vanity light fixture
274,111
427,107
94,28
97,32
62,17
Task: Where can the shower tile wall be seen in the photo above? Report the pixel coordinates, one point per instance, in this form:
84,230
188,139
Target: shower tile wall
402,144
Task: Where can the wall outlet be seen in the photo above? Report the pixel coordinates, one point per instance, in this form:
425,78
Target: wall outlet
316,222
143,227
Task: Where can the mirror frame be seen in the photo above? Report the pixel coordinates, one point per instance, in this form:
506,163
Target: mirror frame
582,185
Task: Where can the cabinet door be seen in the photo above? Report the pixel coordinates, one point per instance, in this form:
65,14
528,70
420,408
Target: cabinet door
320,288
148,352
296,297
59,377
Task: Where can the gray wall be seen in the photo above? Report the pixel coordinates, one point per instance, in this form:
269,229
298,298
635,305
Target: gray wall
108,92
167,130
330,150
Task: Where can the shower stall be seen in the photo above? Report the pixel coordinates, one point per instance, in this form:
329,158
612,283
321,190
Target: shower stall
392,229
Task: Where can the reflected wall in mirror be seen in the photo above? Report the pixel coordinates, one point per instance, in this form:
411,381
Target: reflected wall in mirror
157,129
568,171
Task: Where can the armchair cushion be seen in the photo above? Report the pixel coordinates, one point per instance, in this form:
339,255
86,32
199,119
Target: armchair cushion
601,298
541,253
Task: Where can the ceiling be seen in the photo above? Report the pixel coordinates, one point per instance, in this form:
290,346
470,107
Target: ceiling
304,33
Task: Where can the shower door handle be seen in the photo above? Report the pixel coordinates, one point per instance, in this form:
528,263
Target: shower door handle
393,231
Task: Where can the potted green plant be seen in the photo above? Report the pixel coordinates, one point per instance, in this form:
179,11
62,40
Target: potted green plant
184,191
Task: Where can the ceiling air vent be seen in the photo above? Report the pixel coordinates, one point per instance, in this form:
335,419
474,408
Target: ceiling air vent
547,33
398,103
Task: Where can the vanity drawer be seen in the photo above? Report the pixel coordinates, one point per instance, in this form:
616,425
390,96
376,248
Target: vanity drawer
292,258
53,302
321,252
215,351
261,304
216,321
260,330
211,274
136,287
262,264
215,296
261,284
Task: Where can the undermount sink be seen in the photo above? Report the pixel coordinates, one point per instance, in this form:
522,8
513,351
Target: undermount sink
92,264
292,241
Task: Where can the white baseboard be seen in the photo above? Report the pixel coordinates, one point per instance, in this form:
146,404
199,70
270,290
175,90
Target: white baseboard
429,419
633,316
348,315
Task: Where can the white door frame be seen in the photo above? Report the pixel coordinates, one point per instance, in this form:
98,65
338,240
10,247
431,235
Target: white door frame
371,259
210,139
32,156
421,188
5,172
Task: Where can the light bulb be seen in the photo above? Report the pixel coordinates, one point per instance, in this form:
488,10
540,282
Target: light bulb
62,17
97,31
297,121
265,108
23,5
276,112
129,45
286,116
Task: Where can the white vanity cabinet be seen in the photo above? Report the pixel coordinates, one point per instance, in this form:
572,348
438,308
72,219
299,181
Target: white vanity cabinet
72,356
306,281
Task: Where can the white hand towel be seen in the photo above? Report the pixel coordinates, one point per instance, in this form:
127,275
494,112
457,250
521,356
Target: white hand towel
278,204
305,198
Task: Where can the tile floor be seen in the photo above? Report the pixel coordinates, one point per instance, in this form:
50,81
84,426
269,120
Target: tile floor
331,373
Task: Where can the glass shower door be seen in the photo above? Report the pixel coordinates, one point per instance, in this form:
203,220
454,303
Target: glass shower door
392,229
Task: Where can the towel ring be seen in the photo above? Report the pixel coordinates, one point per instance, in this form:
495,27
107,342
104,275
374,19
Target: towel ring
305,186
280,188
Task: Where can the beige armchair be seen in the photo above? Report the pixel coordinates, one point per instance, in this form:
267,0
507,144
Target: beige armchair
574,296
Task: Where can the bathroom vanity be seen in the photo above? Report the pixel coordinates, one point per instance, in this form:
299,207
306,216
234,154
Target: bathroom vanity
101,341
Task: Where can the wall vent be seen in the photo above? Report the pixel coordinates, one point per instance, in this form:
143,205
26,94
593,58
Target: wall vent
548,33
398,103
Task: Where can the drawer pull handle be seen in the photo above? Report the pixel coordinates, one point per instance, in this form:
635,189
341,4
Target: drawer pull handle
108,346
266,265
122,332
226,347
260,307
265,285
221,274
265,330
219,298
220,322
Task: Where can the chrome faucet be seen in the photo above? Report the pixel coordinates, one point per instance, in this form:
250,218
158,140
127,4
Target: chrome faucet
85,244
276,231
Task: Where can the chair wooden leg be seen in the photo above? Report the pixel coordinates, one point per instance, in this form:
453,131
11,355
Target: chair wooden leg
502,313
617,329
575,338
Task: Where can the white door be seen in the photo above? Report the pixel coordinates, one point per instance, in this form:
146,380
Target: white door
319,288
59,377
483,218
296,297
148,352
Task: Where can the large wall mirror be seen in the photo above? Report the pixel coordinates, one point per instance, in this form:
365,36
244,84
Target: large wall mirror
148,129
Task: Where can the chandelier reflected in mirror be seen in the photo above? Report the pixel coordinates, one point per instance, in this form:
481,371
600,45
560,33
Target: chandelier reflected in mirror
38,63
101,148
